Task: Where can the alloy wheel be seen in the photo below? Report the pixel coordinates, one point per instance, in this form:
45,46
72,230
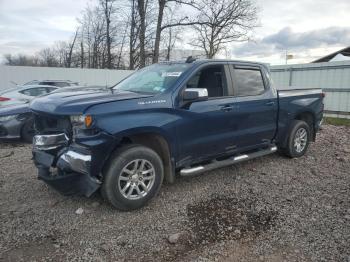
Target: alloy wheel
300,140
136,179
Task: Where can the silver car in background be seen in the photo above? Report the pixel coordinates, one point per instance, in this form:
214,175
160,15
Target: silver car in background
24,94
16,119
58,83
16,122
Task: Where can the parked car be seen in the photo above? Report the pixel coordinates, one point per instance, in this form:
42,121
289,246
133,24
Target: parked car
58,83
22,94
16,122
170,118
16,119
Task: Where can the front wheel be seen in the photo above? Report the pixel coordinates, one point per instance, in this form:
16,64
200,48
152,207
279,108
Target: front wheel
298,139
133,177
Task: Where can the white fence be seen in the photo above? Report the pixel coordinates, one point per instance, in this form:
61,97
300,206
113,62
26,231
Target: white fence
9,75
332,77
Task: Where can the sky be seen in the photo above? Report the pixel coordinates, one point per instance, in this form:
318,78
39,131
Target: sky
306,29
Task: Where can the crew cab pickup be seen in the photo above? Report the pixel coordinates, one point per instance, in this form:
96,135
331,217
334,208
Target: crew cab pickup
167,119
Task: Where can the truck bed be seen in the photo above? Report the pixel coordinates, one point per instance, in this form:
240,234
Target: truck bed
292,102
297,91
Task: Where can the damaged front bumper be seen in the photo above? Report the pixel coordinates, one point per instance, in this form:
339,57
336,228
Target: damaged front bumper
71,169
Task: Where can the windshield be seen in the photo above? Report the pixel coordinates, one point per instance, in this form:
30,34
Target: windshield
153,79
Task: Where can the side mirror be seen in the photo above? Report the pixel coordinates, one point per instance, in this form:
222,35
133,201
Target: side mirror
195,94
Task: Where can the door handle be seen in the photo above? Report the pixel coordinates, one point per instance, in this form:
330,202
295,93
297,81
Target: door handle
271,103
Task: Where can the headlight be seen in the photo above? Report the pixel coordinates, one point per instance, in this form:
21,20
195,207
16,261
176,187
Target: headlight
77,120
81,121
7,118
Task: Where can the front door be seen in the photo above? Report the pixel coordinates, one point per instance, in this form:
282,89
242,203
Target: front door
205,127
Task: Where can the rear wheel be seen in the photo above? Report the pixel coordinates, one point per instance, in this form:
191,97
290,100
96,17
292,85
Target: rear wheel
298,139
133,177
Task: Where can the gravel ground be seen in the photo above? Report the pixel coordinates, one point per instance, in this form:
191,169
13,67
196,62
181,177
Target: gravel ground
268,209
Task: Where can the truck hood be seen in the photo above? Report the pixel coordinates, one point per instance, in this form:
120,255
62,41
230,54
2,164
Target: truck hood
77,100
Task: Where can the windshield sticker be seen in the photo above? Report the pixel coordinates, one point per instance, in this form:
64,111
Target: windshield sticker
157,88
175,74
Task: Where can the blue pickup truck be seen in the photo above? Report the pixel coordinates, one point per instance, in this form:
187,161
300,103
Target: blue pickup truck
167,119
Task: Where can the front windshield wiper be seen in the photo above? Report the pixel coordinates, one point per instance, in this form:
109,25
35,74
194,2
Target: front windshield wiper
133,91
140,92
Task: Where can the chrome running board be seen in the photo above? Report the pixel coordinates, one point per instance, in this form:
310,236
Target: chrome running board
190,171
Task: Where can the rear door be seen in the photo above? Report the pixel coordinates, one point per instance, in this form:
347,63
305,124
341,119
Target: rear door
256,107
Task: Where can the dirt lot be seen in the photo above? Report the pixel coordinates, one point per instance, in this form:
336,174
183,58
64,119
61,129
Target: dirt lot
268,209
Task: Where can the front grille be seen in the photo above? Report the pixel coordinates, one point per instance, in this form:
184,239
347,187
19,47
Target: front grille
46,125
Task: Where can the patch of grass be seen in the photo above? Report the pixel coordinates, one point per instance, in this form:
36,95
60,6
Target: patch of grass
337,121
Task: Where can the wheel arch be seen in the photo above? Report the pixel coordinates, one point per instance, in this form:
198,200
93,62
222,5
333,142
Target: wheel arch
306,116
155,140
309,118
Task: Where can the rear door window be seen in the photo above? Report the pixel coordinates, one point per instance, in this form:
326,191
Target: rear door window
61,84
50,89
47,83
248,82
34,91
51,83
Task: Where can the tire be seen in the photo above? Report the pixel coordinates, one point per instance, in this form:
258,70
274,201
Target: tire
298,139
27,132
121,179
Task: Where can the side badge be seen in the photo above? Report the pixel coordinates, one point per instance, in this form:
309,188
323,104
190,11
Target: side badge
152,102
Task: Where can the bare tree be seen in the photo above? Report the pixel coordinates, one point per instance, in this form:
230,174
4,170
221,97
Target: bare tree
108,10
161,7
61,49
94,37
174,21
47,57
71,47
103,40
222,22
142,9
9,59
21,60
171,37
133,35
112,32
121,47
82,54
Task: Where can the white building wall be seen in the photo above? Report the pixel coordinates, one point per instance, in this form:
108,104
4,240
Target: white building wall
22,74
332,77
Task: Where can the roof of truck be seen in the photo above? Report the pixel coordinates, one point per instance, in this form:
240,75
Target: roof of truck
203,61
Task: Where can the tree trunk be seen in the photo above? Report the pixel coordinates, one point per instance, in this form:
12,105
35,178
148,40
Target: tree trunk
69,58
122,48
169,45
82,58
132,37
161,7
108,22
142,36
